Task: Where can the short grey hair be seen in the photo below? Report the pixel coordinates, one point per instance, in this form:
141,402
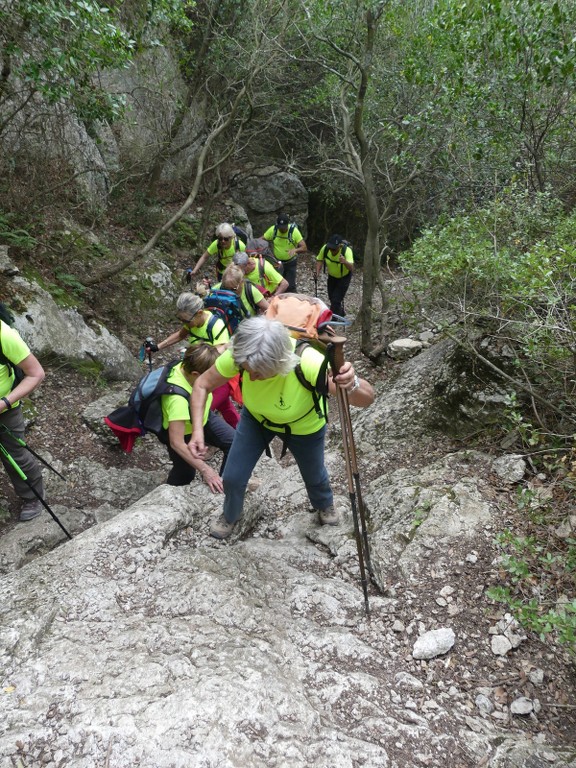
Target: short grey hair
189,304
240,258
224,230
264,346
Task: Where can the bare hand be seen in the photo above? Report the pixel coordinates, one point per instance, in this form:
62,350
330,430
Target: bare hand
345,377
213,480
197,446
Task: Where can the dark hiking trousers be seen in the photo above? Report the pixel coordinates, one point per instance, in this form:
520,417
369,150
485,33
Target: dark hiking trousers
288,269
216,433
14,421
337,287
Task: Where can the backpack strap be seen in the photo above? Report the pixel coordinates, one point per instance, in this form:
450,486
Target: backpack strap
209,329
249,289
13,370
291,229
319,389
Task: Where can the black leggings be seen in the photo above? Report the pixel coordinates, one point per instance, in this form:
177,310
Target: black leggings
217,433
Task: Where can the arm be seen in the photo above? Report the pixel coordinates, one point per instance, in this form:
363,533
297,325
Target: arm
282,287
319,262
174,338
350,266
262,305
176,435
200,263
300,248
361,396
204,384
33,377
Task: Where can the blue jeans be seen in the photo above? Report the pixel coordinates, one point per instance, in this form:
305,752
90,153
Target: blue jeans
250,442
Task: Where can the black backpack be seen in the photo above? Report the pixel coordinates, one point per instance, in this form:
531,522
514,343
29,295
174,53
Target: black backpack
8,318
144,410
291,229
344,245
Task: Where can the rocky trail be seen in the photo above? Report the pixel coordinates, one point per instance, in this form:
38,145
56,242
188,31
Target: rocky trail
145,642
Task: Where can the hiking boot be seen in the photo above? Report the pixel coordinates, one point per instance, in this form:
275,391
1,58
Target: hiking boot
329,516
221,528
30,509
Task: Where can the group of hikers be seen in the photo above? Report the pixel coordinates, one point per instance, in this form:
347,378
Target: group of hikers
254,366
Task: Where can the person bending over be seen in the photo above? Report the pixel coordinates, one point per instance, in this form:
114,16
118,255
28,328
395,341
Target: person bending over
179,428
275,403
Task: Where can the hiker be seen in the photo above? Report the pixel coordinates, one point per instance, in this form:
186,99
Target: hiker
14,351
251,298
260,272
275,403
201,326
198,325
287,242
176,420
338,260
225,246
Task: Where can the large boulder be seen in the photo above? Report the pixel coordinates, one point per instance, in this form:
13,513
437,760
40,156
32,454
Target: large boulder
54,332
265,192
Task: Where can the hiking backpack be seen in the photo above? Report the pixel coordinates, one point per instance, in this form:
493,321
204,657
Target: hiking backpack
210,329
8,318
344,245
241,234
319,390
227,305
291,229
258,247
144,410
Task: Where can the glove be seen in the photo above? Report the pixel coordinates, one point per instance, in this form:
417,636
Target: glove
151,346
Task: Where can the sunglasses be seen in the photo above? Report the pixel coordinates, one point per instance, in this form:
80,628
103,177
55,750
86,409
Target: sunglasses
224,239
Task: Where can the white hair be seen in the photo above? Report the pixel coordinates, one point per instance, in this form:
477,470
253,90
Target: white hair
264,346
224,230
189,304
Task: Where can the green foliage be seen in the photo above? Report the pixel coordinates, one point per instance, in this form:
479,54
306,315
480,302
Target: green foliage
509,265
541,570
12,234
55,48
185,234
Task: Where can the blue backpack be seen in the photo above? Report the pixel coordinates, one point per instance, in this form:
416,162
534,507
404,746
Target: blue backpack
144,410
227,305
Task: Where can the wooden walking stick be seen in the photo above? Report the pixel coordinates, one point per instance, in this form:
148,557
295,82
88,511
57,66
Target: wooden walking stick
336,355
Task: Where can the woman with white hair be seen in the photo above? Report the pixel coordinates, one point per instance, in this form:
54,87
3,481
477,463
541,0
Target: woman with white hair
276,402
225,246
198,325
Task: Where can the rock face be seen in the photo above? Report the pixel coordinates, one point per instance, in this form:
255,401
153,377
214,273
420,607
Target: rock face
265,192
145,642
51,331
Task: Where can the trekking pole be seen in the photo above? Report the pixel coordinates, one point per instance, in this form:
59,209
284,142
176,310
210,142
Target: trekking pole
146,348
17,469
315,285
336,356
24,444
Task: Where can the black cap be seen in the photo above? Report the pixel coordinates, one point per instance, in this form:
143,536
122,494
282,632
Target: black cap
283,220
334,241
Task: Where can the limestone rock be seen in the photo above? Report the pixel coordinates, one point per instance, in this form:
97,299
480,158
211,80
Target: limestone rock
434,643
403,349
